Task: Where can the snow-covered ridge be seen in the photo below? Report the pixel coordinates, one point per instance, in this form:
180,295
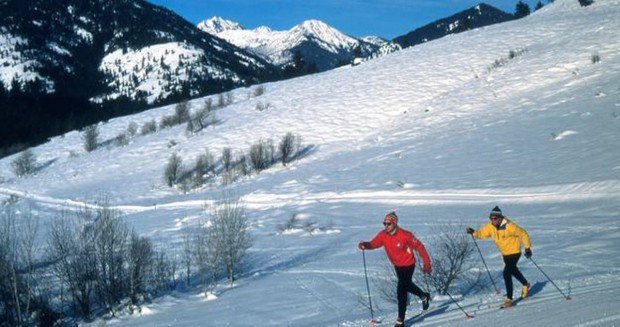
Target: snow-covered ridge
217,25
278,47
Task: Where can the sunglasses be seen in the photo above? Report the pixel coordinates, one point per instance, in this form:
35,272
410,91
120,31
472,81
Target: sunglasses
387,224
495,218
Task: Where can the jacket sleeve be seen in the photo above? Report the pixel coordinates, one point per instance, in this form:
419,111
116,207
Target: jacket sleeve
522,235
484,231
377,241
419,247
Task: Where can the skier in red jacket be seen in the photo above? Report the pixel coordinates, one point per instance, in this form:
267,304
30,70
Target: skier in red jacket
399,245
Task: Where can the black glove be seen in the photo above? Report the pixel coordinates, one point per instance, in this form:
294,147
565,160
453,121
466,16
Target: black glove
363,245
528,253
470,230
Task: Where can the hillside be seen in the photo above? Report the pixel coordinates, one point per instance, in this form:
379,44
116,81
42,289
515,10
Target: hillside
523,114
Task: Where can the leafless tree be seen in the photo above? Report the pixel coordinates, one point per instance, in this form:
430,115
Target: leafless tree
140,260
111,237
71,247
230,233
187,253
207,256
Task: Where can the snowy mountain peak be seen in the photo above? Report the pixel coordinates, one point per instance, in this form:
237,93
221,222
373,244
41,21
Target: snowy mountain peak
320,30
215,25
262,29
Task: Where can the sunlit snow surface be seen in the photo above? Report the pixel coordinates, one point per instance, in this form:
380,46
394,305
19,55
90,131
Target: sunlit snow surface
439,132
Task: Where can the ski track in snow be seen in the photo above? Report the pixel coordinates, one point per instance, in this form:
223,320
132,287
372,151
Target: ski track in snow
453,316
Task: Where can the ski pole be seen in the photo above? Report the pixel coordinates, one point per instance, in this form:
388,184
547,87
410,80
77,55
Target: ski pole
372,315
467,315
556,286
485,264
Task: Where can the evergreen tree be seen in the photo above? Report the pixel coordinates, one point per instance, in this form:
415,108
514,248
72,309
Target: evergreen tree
538,6
522,10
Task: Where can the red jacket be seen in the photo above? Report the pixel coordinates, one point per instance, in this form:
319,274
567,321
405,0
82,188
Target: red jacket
399,247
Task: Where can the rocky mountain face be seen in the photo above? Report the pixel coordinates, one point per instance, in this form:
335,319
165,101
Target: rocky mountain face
478,16
122,56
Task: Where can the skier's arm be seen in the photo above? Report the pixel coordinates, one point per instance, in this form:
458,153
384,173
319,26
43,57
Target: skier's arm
523,236
426,259
483,232
376,242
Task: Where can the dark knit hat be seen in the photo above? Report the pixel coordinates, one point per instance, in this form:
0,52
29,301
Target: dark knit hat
496,212
391,217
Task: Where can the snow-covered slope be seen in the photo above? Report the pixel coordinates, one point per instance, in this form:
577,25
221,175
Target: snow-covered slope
518,115
318,42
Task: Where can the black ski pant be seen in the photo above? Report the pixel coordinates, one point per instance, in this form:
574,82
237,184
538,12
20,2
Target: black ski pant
406,285
510,269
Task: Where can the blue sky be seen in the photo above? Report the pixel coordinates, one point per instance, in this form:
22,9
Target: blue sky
385,18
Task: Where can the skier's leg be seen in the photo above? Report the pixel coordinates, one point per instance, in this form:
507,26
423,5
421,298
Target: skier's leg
401,290
517,273
509,267
411,286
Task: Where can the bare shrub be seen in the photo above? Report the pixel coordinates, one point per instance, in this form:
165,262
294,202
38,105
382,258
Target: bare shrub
181,112
24,164
290,224
453,259
259,90
90,137
148,127
121,139
262,155
288,147
162,275
227,160
242,166
221,101
230,98
132,129
263,106
18,247
168,121
204,166
173,170
595,58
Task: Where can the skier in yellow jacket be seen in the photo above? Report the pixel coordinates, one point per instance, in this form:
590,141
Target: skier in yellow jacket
508,237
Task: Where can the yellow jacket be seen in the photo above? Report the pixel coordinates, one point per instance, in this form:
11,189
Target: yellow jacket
507,236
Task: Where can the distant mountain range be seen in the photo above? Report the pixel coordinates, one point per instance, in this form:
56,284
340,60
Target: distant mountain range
313,44
478,16
65,64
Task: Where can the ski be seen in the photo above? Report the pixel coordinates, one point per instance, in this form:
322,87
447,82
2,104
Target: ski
514,303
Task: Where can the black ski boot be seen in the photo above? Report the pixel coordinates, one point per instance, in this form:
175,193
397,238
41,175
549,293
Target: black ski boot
426,301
